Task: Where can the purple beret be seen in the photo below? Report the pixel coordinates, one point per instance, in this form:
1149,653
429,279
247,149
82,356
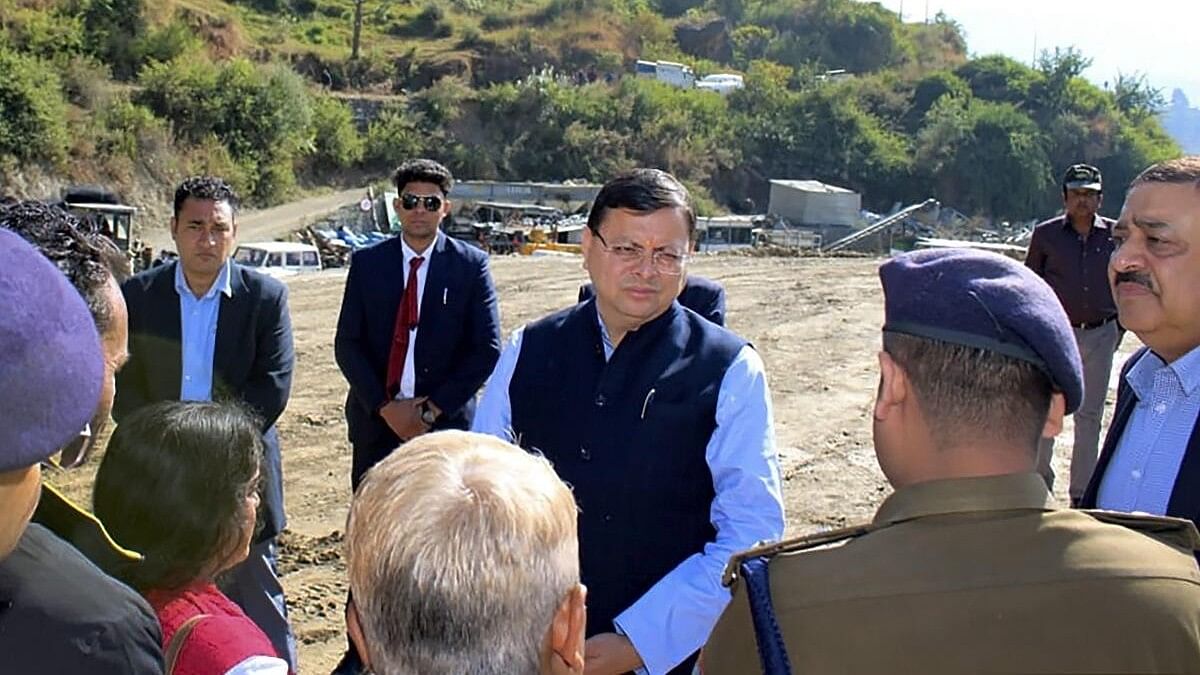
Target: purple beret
51,364
983,300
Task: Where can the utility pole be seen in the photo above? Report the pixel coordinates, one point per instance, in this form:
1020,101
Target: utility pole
354,42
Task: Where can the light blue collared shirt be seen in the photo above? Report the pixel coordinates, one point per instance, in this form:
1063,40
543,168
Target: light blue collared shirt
198,329
1141,474
674,618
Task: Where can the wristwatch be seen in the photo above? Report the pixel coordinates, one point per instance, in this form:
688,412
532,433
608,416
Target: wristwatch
427,414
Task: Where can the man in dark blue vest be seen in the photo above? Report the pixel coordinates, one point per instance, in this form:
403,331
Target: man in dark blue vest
659,419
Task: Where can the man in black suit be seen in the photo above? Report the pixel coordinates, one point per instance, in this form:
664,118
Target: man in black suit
407,379
1151,457
205,328
700,294
419,329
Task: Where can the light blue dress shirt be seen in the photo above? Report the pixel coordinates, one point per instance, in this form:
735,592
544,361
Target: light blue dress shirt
1141,474
198,330
675,617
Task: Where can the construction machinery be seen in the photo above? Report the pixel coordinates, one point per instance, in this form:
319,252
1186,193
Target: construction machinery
101,210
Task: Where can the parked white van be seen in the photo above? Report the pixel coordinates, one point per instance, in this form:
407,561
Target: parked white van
279,258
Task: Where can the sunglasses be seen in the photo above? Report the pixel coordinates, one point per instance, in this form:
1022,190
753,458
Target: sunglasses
408,202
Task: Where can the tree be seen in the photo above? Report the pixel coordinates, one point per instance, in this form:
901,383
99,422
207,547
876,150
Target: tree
984,157
356,39
1051,95
929,91
1136,98
998,78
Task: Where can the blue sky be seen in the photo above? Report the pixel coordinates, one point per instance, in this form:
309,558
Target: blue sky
1158,38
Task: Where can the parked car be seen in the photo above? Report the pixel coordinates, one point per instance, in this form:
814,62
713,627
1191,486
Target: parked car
279,258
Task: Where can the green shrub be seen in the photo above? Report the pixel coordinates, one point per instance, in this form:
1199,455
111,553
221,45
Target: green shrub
86,82
429,23
495,20
32,110
127,129
49,35
262,114
210,157
183,91
394,137
110,29
336,143
168,42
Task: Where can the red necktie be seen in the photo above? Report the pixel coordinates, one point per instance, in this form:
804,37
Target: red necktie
406,322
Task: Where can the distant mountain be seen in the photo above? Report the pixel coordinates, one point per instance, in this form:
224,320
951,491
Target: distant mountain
1182,122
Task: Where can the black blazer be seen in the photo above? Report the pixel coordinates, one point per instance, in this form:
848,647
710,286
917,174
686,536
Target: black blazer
1185,497
252,360
700,294
457,342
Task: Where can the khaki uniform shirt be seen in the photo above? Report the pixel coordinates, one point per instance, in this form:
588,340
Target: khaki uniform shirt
981,575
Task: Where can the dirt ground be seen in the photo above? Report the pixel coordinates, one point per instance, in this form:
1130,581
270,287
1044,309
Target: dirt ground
815,321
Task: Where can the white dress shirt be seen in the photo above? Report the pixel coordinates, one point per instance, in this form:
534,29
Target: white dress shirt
408,379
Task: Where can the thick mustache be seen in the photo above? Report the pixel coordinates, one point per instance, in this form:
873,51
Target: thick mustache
1134,278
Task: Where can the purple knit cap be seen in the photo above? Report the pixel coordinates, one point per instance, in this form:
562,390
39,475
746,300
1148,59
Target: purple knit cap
51,364
983,300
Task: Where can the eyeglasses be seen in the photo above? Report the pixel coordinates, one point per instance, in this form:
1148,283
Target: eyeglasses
664,262
408,202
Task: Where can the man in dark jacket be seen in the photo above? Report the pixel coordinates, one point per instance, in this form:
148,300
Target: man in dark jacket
203,328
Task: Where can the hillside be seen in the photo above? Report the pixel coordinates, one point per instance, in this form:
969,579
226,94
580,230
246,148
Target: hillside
137,94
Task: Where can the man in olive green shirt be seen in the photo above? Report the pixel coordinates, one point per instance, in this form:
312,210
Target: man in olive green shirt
968,566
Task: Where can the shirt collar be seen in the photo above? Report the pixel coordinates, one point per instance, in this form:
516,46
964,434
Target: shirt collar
1186,368
409,253
223,283
965,495
1097,223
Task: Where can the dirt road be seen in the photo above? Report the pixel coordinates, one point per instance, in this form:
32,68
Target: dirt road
815,322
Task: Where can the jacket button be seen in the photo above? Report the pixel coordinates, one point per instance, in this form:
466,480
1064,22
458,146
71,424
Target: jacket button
585,453
607,518
600,400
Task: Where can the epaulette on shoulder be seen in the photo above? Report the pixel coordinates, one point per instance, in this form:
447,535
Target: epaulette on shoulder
801,543
82,530
1180,532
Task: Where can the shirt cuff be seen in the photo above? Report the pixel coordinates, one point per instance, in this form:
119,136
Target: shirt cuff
641,670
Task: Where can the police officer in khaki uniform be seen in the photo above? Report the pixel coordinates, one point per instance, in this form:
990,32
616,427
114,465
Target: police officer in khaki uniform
968,566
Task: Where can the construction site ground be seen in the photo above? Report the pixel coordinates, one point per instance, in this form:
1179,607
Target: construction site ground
814,320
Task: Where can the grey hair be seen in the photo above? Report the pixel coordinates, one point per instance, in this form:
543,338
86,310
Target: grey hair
460,548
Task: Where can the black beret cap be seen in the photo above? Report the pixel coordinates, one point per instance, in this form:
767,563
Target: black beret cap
987,301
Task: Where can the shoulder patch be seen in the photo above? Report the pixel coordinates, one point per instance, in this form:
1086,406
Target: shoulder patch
801,543
1176,531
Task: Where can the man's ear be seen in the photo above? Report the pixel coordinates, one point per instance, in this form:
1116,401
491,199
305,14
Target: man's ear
1054,419
566,636
354,628
893,386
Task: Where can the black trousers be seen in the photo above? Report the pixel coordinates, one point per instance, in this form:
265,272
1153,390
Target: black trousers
366,456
